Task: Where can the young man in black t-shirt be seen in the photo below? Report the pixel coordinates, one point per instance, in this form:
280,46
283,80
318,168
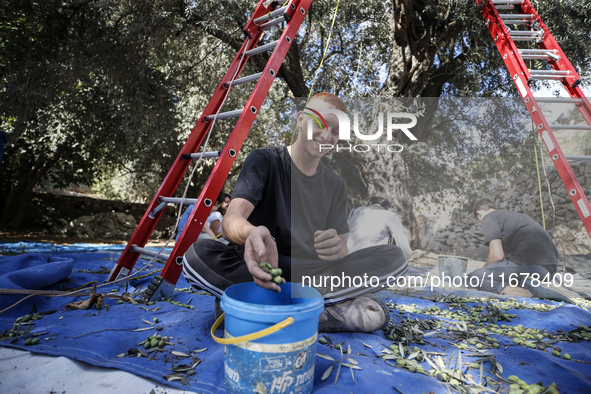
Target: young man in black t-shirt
517,245
290,210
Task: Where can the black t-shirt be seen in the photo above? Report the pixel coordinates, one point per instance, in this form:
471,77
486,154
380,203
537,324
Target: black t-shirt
524,240
290,204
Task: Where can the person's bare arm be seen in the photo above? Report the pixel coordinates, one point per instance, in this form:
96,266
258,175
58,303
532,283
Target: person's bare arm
330,245
236,227
215,227
495,252
207,230
258,243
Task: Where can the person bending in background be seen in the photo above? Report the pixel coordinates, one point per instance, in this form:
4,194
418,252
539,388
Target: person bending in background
376,225
517,245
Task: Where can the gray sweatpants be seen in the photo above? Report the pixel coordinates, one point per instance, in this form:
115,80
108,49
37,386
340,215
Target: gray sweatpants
501,272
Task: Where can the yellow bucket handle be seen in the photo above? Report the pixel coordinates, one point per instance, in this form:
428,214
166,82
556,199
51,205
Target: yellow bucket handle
249,337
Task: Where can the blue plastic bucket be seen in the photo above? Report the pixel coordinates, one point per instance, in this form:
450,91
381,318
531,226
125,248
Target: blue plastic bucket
282,359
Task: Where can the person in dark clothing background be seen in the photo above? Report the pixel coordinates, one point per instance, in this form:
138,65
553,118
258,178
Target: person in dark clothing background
517,245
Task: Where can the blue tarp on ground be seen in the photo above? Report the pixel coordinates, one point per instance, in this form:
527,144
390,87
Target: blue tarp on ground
49,248
98,336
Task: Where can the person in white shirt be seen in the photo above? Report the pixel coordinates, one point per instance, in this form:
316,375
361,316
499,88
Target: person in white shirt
376,225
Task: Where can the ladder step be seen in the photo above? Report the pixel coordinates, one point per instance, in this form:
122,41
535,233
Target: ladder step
569,127
148,252
549,72
240,81
516,2
536,51
206,155
539,57
574,157
224,115
515,22
275,22
262,48
164,201
178,200
525,38
548,77
539,54
565,100
519,35
505,7
516,16
528,33
270,15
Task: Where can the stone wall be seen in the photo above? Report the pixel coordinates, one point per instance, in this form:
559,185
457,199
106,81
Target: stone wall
87,217
521,194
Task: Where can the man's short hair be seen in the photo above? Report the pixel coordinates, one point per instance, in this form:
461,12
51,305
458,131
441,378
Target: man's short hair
381,199
331,99
483,204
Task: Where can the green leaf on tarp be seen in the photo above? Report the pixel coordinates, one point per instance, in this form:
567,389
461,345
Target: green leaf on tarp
325,356
338,374
327,373
181,368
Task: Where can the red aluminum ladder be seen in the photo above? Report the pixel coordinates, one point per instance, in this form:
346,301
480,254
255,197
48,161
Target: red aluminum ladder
266,15
511,21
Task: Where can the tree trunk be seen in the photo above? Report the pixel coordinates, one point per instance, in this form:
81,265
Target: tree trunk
417,36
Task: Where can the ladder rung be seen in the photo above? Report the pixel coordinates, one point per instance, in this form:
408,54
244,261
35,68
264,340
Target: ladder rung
262,48
516,16
177,200
224,115
154,212
515,22
517,2
531,38
273,14
515,33
574,157
505,7
164,201
274,22
549,77
536,51
148,252
549,72
539,54
533,57
569,127
243,80
565,100
206,155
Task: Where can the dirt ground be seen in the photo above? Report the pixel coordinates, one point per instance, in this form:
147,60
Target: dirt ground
39,236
